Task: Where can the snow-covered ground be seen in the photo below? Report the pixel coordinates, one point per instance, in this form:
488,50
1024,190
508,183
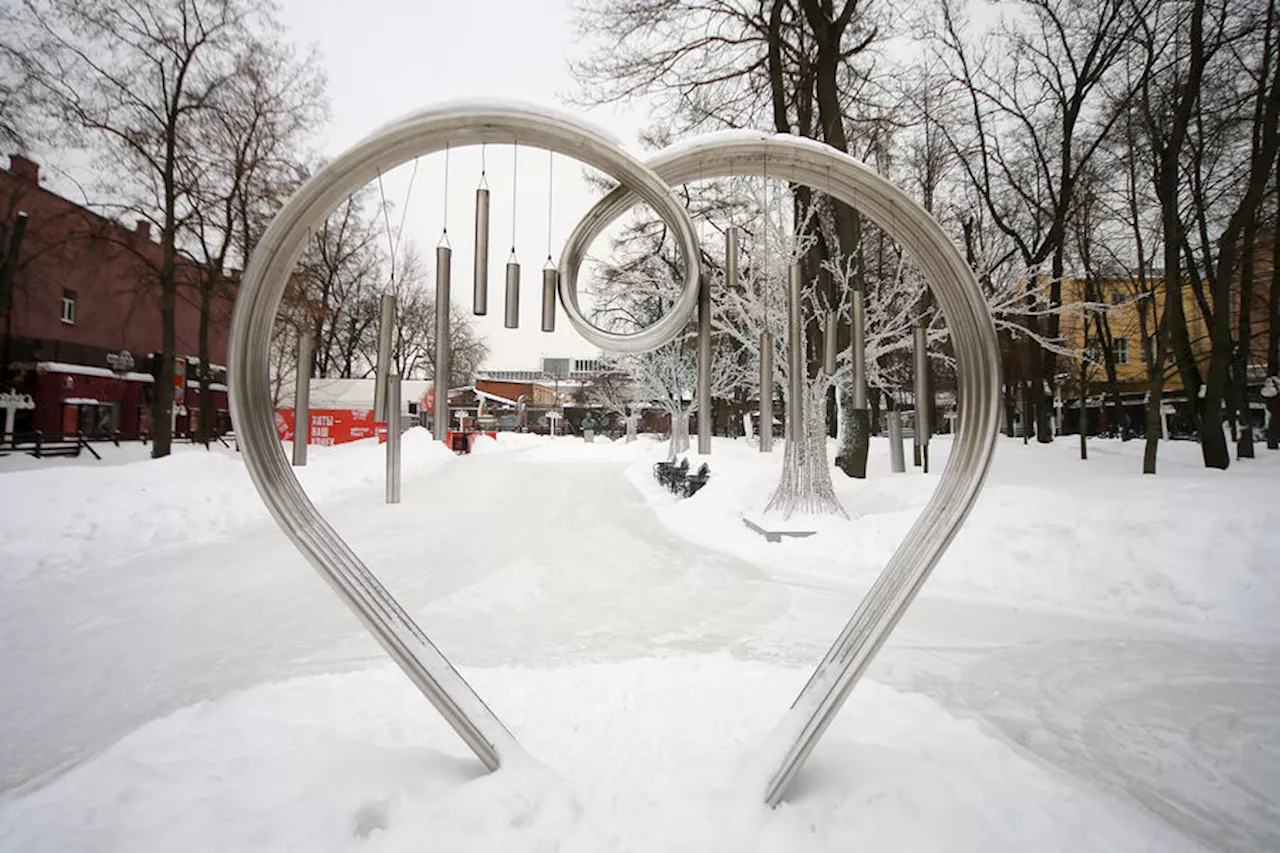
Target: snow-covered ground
1093,665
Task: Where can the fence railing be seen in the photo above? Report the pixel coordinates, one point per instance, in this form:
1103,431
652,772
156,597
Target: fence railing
41,444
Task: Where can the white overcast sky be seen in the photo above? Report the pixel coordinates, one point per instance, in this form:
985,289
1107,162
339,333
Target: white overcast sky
385,58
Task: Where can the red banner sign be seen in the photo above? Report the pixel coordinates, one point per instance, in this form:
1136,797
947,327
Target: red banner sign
329,426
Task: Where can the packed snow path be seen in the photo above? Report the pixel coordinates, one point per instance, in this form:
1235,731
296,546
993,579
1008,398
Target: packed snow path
519,558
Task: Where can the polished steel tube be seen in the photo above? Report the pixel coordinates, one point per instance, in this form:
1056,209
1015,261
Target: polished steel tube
830,332
393,438
766,392
386,328
924,406
858,349
795,354
444,343
512,317
302,400
731,259
550,282
897,460
480,274
800,161
704,365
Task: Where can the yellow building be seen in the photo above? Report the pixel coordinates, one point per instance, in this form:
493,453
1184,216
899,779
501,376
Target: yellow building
1128,308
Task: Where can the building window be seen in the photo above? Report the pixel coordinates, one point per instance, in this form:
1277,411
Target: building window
1120,349
1119,298
68,306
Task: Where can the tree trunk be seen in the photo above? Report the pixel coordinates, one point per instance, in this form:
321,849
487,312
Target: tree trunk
205,429
1244,343
1084,410
1273,323
1083,421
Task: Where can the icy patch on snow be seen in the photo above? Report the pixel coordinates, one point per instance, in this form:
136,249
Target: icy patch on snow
58,519
649,755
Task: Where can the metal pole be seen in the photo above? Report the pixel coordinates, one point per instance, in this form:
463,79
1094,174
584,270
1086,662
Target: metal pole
386,326
766,392
512,320
550,281
924,411
795,355
393,439
897,460
829,332
480,295
858,343
704,366
302,400
444,344
731,259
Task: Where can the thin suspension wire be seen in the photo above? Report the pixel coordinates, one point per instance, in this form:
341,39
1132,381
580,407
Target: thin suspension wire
551,162
764,171
484,183
515,172
405,211
386,218
444,234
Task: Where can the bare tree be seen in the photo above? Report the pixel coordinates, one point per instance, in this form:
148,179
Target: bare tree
130,80
1209,75
1037,96
248,161
800,65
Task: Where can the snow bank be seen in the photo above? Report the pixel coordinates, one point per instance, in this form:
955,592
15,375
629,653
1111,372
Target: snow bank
1190,547
59,518
649,755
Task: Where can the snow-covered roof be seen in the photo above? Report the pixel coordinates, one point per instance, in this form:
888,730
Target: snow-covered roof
358,393
86,370
494,397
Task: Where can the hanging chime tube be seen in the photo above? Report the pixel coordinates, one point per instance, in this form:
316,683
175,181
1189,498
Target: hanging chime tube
829,333
550,281
924,412
897,460
512,319
386,325
704,365
302,400
858,343
393,438
766,392
731,260
444,344
795,355
480,297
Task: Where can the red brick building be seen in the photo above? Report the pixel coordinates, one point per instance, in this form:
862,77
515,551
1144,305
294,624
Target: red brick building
83,319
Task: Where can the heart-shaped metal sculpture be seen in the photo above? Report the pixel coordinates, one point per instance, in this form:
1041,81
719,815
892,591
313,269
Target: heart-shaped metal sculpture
788,158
